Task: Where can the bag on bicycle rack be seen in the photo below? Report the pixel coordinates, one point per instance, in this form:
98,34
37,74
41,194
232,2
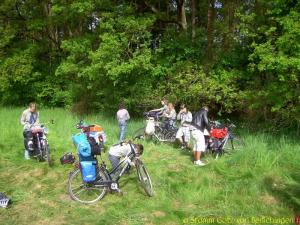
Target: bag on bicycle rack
83,146
88,170
150,127
218,133
95,147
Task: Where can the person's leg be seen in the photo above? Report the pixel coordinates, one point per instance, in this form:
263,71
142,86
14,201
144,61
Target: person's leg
179,135
199,146
114,161
28,143
122,131
186,136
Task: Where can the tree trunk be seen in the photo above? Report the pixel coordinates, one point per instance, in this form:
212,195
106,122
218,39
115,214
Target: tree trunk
210,29
194,3
181,17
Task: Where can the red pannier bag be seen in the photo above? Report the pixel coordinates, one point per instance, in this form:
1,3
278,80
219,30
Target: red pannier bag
218,133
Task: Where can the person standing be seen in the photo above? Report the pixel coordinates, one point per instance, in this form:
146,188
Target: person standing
29,118
199,124
183,133
122,117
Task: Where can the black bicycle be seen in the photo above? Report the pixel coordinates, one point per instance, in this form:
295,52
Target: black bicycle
223,140
107,181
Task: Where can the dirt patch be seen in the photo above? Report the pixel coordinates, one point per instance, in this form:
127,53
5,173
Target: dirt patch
268,199
159,214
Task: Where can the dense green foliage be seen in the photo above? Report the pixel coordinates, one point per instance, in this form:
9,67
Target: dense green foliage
259,180
239,56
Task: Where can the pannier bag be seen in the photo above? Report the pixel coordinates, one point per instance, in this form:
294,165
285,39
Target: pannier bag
150,127
219,133
82,145
88,170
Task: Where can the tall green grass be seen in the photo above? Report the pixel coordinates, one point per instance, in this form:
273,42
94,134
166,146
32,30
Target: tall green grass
263,179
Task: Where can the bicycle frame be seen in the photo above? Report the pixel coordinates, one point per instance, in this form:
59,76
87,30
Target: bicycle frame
113,183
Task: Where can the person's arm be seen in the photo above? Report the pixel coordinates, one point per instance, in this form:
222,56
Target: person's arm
23,119
206,122
189,117
127,115
179,116
157,110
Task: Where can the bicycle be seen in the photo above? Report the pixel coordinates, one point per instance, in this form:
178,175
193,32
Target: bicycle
107,180
159,131
223,140
41,150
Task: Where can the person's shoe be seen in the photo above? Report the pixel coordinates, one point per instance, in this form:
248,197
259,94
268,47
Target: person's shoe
199,163
26,155
182,147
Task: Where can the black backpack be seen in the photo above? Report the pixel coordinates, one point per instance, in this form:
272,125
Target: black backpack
95,147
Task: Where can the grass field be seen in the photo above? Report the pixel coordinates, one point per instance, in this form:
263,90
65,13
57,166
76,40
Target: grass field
263,179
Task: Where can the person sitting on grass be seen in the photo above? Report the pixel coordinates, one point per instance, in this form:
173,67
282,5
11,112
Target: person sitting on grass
183,133
121,150
122,117
199,124
29,118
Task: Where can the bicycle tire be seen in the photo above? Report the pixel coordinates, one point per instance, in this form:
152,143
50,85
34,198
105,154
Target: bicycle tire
139,134
47,154
234,143
144,178
76,174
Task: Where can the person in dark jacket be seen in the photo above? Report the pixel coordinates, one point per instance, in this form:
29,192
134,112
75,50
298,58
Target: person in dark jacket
199,123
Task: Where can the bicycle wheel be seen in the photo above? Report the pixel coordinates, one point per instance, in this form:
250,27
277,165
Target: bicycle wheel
139,134
144,178
171,136
234,143
47,155
86,193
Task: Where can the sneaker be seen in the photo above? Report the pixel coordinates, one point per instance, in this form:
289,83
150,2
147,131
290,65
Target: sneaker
26,155
199,163
182,147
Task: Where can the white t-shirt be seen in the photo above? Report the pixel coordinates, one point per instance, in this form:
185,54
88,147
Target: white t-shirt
120,150
122,115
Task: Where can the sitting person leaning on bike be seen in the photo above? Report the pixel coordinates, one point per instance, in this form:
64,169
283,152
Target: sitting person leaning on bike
29,118
183,133
163,109
170,116
118,151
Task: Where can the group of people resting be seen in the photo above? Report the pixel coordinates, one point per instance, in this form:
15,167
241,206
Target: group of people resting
191,126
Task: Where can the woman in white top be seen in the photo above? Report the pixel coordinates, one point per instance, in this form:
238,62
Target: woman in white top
122,117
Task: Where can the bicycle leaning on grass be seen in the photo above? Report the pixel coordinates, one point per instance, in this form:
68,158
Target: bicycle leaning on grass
107,180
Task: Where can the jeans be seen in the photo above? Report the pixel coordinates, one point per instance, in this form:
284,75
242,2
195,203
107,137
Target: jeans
114,161
122,126
27,134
